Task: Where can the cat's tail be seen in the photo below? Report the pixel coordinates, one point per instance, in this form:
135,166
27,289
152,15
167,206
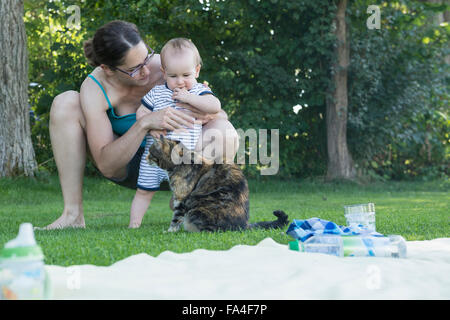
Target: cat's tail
281,222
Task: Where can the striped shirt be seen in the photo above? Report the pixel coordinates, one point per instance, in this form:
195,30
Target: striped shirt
160,97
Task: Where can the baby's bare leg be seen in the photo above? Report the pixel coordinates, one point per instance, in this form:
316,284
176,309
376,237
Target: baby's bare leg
139,207
219,136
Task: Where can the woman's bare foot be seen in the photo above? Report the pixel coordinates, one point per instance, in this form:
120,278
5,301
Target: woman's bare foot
67,220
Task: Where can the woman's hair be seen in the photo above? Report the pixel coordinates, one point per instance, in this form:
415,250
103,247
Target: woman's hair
177,45
110,43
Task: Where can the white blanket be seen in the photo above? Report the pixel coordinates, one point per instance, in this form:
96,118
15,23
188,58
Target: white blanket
268,270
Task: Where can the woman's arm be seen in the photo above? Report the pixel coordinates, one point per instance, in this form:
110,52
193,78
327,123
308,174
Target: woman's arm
142,111
110,155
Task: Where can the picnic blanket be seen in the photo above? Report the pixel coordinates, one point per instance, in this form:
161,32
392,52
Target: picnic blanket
268,270
304,229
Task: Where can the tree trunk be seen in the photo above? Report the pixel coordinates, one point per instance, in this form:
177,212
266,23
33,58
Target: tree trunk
340,163
16,149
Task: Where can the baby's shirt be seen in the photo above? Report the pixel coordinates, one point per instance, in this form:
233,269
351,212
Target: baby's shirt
160,97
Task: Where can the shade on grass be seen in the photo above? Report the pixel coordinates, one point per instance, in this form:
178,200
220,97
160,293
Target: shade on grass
415,210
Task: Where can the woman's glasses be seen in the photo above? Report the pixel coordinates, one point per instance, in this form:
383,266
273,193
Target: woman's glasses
136,70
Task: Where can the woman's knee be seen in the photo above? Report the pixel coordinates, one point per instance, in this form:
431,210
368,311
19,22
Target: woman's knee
66,106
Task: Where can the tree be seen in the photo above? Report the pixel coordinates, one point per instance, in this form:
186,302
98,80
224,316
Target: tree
262,58
16,149
340,163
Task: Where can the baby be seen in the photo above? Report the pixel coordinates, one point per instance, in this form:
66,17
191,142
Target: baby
180,64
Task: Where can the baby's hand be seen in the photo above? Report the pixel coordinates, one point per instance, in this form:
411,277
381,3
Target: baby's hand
206,85
157,133
181,95
206,118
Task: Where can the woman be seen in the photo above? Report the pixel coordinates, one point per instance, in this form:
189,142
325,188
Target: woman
101,121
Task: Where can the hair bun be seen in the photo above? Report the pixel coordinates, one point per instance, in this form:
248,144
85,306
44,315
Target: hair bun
88,47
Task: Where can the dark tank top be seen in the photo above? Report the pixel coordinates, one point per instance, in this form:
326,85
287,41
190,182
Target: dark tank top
120,124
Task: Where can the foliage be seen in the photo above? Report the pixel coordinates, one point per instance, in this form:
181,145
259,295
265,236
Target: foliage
261,58
398,126
56,64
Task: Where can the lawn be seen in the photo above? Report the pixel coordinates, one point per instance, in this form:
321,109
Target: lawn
415,210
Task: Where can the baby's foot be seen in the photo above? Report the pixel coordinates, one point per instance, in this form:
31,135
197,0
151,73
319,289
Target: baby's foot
134,224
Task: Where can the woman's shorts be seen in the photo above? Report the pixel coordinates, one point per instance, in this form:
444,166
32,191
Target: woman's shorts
131,178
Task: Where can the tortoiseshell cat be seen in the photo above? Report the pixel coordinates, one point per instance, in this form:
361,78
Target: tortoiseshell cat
206,196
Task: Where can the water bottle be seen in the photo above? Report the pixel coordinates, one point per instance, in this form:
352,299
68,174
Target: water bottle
361,215
22,272
353,246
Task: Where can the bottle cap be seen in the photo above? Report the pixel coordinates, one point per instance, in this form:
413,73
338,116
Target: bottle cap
23,247
293,245
296,246
25,237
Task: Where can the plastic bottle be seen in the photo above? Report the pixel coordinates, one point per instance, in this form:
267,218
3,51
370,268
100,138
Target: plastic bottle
353,246
361,215
22,272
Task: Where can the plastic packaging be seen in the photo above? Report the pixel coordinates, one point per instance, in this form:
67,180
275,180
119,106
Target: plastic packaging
22,271
361,214
353,246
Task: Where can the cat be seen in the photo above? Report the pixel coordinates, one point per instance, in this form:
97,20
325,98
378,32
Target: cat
206,196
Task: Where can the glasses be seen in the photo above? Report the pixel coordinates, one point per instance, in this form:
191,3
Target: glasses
139,67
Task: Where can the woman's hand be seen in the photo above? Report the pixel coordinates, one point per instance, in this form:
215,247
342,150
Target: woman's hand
157,133
206,118
166,119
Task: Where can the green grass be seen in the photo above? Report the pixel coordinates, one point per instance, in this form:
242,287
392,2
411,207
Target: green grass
416,210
